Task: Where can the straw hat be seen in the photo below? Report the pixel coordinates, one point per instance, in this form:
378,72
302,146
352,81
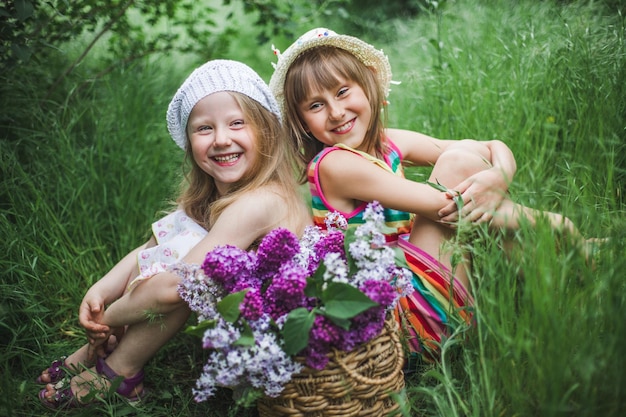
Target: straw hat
365,52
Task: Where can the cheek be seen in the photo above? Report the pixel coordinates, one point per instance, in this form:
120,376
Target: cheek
198,150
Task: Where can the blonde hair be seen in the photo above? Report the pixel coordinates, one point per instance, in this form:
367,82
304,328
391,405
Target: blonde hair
274,165
320,68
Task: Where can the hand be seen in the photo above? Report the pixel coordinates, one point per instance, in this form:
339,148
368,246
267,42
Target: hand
90,316
482,194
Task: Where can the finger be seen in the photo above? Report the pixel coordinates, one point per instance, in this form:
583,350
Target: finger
448,210
475,215
485,218
451,218
96,328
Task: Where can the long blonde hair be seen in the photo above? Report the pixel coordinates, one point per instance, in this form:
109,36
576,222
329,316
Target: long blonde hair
274,165
320,68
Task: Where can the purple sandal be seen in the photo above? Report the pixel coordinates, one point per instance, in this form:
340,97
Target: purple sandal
56,371
65,397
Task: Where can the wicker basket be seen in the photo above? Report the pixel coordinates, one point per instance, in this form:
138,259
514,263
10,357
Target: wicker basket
357,383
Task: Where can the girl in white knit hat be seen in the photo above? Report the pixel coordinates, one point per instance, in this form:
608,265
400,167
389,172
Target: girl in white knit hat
332,89
239,187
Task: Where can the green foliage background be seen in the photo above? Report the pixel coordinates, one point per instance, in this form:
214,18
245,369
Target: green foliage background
87,165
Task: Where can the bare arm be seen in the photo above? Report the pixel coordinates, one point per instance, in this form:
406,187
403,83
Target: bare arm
243,222
347,177
110,287
483,191
417,148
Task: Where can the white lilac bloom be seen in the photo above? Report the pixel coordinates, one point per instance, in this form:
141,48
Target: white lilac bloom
223,335
335,221
312,235
336,268
200,292
270,368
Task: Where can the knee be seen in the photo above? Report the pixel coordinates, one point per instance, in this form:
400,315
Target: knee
462,160
468,151
164,291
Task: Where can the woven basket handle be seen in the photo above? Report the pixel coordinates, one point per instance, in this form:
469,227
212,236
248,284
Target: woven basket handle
379,381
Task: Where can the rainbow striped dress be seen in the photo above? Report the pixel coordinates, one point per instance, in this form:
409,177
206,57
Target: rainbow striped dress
439,302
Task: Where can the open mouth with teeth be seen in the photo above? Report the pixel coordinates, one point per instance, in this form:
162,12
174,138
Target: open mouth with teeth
227,159
344,127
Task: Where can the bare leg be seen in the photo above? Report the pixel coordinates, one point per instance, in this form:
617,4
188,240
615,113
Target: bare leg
452,167
140,343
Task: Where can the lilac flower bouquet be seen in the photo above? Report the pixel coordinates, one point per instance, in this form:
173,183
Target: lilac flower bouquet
259,310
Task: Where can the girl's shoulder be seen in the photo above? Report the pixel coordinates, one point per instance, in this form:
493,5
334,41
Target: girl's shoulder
265,195
271,206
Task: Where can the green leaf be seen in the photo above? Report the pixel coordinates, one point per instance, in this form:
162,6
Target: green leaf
200,328
343,301
347,240
228,307
314,284
296,330
247,336
456,195
400,258
343,323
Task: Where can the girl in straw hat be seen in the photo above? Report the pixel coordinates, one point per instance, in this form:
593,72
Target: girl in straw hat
331,89
239,187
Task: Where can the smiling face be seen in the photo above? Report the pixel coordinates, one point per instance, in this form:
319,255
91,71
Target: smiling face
348,101
222,141
339,114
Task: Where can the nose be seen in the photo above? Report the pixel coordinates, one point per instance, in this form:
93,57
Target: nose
336,111
222,138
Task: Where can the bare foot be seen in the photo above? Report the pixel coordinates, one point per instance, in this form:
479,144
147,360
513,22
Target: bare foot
590,248
73,362
95,381
78,361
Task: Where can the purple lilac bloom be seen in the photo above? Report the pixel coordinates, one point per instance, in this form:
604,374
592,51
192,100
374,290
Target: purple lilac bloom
286,292
251,306
277,247
315,359
363,328
380,292
370,323
323,336
331,243
228,265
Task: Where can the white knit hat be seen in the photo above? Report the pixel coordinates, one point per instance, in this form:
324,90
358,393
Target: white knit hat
363,51
213,77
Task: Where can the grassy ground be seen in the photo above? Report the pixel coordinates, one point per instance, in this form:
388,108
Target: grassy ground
84,179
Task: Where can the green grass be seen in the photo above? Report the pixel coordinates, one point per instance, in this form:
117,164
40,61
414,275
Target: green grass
85,174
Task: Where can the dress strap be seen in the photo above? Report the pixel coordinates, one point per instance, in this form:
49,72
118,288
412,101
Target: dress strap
367,156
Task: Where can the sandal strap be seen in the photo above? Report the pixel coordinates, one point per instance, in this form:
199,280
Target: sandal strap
127,385
56,370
